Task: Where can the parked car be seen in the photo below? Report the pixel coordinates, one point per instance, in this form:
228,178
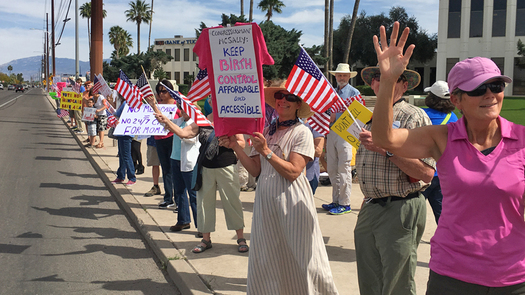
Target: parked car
19,88
11,87
2,86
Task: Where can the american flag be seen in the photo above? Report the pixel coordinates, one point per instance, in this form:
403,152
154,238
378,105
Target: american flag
63,113
112,121
320,122
307,82
200,87
129,91
96,85
143,85
74,86
104,89
188,107
340,105
109,107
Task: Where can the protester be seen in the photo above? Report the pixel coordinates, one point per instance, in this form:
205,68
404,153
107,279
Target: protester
152,160
136,155
392,219
124,155
91,126
288,253
102,118
478,245
219,170
440,111
338,150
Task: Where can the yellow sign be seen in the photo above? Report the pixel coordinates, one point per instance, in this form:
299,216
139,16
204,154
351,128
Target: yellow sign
71,101
345,126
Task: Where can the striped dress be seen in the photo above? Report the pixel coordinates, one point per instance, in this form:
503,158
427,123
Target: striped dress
287,252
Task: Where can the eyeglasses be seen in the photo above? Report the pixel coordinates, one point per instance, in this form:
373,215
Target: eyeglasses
289,97
377,77
495,87
163,91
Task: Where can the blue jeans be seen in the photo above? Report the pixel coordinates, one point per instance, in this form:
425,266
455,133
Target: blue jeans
164,147
314,183
124,159
182,184
435,197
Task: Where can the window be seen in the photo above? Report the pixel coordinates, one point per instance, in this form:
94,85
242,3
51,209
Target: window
454,18
500,62
186,54
518,81
499,18
520,20
186,74
168,75
476,18
194,56
177,77
176,54
450,63
168,51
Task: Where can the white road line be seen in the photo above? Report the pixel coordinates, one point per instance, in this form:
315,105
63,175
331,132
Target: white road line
10,101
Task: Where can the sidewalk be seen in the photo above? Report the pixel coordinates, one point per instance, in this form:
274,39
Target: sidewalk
223,270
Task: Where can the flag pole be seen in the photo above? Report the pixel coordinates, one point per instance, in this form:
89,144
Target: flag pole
155,106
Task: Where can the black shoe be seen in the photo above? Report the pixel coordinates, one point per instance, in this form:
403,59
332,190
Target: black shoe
179,227
140,170
165,205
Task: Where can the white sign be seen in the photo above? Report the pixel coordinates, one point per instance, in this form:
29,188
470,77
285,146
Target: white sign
236,81
89,114
142,121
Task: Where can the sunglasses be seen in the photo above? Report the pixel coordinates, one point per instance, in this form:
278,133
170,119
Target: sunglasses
163,91
495,87
289,97
377,77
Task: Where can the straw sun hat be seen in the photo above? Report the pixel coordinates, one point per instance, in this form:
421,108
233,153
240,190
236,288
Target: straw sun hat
343,69
413,77
278,85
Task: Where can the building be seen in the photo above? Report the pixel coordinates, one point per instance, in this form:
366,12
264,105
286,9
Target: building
184,62
488,28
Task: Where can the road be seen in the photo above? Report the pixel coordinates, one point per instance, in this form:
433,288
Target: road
62,232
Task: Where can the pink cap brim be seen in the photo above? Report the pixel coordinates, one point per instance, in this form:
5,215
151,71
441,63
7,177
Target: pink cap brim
477,81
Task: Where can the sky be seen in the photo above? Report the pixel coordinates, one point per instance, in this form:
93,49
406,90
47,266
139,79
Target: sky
22,28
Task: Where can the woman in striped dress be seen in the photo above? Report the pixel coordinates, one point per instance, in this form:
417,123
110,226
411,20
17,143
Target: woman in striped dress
287,254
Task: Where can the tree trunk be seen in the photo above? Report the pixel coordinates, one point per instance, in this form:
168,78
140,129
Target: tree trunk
331,39
242,7
251,11
326,34
138,37
151,20
346,56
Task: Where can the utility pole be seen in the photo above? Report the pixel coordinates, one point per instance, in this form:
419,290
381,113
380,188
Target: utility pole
47,52
96,38
76,41
53,34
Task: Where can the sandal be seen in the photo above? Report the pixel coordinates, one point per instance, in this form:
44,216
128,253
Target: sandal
200,248
99,146
243,248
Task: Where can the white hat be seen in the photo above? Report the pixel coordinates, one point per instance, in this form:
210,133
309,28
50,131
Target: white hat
439,89
343,69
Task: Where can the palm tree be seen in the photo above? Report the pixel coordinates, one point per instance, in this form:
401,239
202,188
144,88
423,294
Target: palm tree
242,7
9,68
85,12
150,23
270,6
139,12
351,32
251,11
121,40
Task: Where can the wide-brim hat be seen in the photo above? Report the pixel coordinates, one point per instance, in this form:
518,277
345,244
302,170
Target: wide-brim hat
275,86
343,69
413,77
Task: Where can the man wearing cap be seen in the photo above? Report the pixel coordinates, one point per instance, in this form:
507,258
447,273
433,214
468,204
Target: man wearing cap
392,218
440,111
338,150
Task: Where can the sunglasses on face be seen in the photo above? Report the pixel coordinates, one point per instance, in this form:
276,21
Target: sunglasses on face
377,77
289,97
163,91
495,87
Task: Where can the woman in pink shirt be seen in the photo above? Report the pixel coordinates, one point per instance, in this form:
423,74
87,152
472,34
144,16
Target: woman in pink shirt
479,245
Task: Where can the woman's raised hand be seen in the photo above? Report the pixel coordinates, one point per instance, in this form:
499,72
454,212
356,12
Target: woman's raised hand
390,58
258,142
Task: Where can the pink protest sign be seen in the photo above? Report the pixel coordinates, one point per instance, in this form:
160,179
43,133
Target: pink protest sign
60,87
234,57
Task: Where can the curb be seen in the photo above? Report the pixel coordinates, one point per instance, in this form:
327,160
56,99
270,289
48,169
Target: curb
179,269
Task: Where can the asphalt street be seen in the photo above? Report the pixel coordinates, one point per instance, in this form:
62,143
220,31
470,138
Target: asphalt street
62,231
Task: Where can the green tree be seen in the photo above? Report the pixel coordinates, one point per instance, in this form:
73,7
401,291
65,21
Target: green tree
9,68
85,12
121,40
160,74
271,6
139,12
520,62
283,46
132,64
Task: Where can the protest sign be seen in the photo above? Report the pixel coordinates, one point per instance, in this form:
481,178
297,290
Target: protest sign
71,101
141,121
89,114
345,126
237,89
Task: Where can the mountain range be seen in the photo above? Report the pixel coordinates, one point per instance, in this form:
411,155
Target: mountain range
30,67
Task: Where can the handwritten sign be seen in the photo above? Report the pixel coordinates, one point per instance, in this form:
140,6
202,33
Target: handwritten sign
71,101
345,126
89,114
142,121
237,91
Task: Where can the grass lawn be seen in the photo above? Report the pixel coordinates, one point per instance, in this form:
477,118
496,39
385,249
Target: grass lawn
513,110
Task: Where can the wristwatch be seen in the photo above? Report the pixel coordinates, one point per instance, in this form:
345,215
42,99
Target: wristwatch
269,156
389,154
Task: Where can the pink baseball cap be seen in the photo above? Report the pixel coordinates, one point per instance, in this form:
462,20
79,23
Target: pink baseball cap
470,73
